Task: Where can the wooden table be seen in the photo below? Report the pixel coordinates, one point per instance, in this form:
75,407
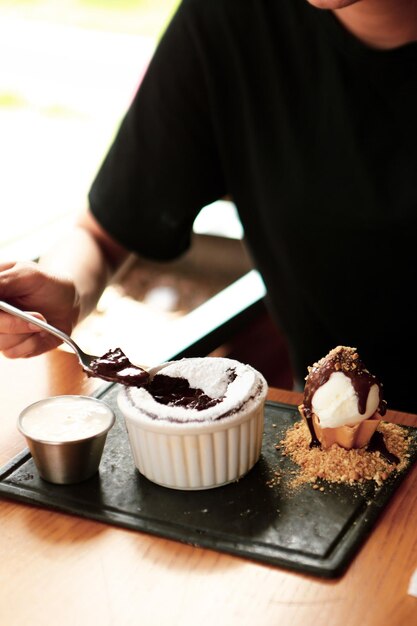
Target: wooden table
60,569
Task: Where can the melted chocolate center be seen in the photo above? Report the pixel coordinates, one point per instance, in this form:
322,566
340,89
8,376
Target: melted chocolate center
178,392
114,366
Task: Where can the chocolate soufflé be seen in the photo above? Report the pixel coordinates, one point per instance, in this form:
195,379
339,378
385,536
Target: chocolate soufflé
198,423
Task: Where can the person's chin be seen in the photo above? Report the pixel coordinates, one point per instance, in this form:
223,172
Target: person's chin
332,4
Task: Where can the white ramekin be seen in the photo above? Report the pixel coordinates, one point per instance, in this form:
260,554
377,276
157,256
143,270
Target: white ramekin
195,455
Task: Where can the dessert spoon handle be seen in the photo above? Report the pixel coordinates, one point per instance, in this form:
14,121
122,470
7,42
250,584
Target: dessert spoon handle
84,358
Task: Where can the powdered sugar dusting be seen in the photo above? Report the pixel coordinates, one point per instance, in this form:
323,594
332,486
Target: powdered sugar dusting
235,383
211,375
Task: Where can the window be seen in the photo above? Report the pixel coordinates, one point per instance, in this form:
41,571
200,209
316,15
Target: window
69,71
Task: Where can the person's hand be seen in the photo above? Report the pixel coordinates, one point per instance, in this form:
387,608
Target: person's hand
48,297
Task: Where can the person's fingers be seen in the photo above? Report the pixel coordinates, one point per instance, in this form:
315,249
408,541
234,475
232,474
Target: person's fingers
27,346
19,338
12,325
28,287
4,265
31,345
8,275
10,341
19,280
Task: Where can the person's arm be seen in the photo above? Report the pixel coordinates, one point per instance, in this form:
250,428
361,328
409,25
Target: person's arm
62,288
162,167
88,257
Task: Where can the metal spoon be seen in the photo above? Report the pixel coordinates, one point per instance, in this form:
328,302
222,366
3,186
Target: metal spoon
113,366
85,359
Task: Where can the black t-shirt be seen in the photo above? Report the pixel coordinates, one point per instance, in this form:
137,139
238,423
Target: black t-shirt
314,135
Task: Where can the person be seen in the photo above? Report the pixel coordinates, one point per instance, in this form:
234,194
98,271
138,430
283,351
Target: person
304,112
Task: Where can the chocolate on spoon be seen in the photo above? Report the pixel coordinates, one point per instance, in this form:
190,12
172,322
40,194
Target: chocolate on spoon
114,366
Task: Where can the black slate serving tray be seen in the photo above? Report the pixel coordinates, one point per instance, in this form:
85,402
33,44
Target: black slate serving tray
304,530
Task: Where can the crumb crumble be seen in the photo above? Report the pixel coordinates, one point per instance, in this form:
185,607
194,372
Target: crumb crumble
343,357
337,465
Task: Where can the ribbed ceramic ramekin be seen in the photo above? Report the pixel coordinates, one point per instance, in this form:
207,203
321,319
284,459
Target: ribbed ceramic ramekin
196,455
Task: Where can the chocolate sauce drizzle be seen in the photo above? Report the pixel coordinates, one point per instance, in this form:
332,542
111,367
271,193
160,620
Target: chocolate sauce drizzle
114,366
377,444
314,441
346,360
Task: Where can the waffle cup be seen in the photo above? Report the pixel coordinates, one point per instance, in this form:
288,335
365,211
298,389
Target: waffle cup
348,437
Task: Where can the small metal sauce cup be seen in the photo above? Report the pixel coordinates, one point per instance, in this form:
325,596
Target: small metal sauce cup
67,462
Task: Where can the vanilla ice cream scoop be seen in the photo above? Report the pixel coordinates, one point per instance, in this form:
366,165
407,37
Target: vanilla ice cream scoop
340,392
336,402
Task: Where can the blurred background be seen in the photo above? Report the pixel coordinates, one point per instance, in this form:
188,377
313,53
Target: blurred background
68,73
69,70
